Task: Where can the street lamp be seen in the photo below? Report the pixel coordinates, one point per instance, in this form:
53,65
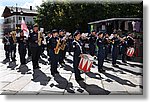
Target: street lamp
16,12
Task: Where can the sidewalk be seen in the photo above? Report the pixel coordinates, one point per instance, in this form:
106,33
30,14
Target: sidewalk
16,80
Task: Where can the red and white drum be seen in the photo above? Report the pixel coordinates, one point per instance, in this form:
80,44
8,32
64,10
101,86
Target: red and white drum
86,63
130,51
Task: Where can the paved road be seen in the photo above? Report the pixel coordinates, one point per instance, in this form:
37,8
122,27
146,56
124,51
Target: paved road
18,80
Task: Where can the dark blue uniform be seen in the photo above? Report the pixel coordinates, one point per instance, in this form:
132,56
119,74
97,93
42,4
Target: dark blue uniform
22,48
13,49
123,51
54,57
47,42
92,46
107,47
77,49
115,49
101,53
6,41
61,52
35,49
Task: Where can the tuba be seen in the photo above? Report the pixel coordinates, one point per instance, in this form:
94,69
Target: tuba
57,49
40,36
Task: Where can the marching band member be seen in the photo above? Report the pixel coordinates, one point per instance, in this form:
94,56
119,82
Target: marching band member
130,44
35,40
123,49
61,52
13,46
77,49
101,51
22,47
92,41
6,42
115,48
47,44
70,40
107,45
54,44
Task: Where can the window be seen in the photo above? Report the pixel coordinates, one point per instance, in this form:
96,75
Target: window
20,18
23,18
13,19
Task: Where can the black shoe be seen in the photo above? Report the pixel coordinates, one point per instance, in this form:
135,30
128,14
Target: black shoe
38,67
56,72
53,74
114,65
101,71
80,79
124,61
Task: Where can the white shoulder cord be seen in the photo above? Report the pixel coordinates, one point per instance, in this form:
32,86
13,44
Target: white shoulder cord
78,45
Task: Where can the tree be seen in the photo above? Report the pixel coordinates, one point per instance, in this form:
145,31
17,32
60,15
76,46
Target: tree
72,16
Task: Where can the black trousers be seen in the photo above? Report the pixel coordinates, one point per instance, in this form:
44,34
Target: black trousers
76,61
22,53
29,50
101,57
115,52
36,52
92,49
107,47
54,61
62,54
13,52
7,51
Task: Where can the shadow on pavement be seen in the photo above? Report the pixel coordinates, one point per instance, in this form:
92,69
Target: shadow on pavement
93,89
68,68
94,75
5,61
24,69
39,76
119,80
42,61
69,61
130,71
29,59
112,69
12,65
63,83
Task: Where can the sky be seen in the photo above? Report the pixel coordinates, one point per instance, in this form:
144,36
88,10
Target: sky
20,3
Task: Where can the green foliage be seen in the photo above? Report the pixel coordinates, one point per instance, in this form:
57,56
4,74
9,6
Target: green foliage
72,16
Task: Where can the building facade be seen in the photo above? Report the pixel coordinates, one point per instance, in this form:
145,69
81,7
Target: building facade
13,17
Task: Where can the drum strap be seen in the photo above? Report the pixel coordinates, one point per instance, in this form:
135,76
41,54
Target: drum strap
78,45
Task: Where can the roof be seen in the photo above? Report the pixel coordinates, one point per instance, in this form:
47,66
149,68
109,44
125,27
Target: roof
7,11
112,19
25,10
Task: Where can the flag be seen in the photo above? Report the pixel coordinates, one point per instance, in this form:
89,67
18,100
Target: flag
24,28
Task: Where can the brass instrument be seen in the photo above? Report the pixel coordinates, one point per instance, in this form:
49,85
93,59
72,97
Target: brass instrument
40,36
64,43
13,34
62,47
57,49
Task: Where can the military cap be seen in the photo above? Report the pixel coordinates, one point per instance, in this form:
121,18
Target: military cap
35,25
76,33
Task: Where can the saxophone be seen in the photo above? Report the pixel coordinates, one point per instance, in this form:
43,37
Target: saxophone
40,36
57,49
14,36
62,47
64,43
